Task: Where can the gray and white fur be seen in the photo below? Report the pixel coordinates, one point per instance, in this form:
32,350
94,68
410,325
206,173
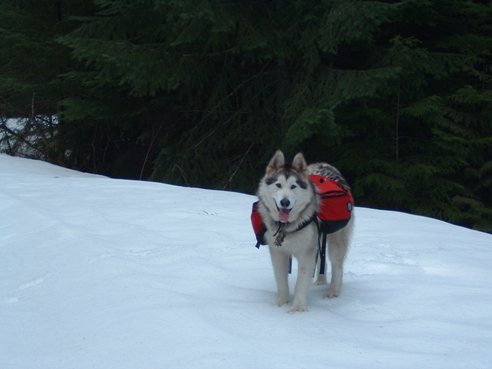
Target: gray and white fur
288,200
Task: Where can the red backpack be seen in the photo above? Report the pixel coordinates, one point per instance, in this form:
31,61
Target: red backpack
334,213
336,204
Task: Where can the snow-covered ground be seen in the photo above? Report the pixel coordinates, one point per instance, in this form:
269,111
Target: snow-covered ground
111,274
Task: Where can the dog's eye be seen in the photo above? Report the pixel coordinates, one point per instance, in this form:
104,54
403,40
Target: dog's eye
292,187
278,185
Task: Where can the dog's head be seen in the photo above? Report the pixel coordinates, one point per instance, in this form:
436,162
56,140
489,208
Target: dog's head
285,188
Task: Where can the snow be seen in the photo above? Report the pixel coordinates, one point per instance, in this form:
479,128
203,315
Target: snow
103,273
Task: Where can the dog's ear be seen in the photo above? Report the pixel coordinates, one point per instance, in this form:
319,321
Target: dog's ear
299,163
276,162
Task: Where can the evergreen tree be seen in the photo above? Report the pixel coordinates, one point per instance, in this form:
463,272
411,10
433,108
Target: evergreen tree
395,93
31,61
238,76
418,137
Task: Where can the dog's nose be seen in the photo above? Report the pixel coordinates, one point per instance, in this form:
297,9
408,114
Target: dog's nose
285,203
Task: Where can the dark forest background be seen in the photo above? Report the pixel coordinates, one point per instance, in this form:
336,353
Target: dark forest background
397,94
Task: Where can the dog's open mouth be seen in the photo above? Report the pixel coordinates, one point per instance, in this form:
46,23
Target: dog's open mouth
283,215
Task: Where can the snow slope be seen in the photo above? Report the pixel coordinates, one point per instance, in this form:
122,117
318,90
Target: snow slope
102,273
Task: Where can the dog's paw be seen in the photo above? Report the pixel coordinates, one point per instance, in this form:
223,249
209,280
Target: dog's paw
332,292
282,301
298,309
321,280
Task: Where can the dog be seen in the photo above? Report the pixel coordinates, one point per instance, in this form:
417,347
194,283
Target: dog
288,204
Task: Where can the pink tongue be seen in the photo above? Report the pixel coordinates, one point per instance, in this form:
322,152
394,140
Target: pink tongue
283,215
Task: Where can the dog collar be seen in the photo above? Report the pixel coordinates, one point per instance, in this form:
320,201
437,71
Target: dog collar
281,233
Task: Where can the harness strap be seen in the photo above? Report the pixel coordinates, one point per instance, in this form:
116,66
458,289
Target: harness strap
307,222
280,233
322,254
322,236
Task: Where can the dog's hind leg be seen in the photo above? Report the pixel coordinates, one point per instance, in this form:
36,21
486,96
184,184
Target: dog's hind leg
280,263
337,253
338,244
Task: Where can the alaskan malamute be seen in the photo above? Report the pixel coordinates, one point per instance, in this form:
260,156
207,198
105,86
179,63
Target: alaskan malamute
288,204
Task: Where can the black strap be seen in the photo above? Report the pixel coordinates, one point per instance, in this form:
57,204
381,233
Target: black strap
322,255
307,222
280,233
303,225
280,225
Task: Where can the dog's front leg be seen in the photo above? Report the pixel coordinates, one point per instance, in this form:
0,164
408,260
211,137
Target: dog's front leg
306,264
280,262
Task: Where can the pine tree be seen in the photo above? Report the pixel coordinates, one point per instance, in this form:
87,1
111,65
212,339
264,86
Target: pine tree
434,119
31,62
395,93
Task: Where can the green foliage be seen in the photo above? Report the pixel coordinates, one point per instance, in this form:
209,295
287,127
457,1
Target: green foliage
349,22
397,94
30,57
312,122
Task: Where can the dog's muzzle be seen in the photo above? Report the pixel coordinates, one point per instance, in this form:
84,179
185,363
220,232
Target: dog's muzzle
284,210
